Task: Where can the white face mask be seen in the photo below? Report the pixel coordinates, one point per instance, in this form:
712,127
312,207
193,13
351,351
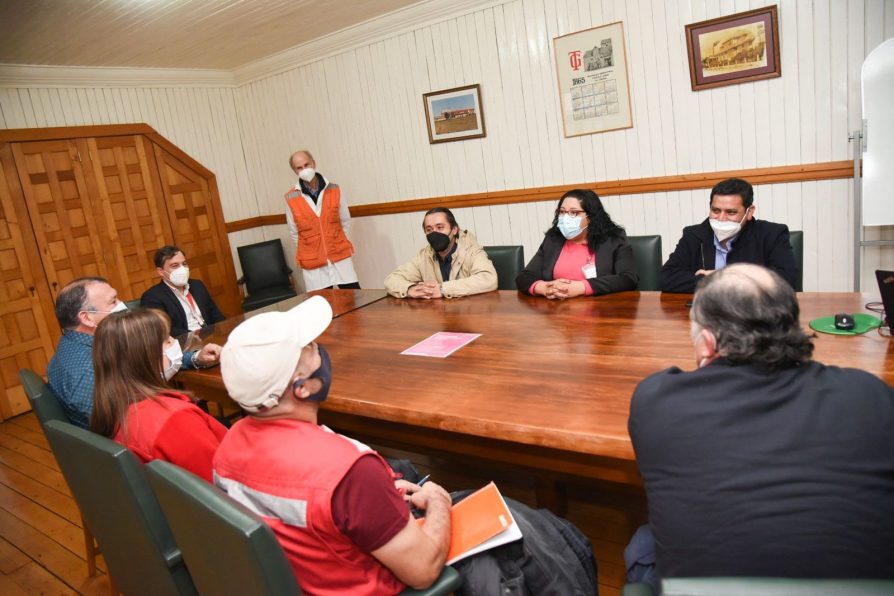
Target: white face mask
175,356
570,226
180,276
307,174
725,230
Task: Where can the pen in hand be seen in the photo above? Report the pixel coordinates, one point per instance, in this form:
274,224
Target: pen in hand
424,480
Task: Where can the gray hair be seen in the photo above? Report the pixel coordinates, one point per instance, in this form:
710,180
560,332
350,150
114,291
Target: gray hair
754,315
72,299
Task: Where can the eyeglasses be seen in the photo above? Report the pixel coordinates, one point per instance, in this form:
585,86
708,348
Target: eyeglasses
571,212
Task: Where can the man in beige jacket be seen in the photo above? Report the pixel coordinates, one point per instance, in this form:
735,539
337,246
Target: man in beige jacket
453,264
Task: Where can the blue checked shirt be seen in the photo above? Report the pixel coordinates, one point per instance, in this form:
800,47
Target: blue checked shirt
70,374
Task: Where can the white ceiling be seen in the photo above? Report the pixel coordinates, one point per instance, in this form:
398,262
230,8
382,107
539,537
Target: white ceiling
205,34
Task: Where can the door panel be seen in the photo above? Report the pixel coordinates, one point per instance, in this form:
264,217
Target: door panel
58,200
196,225
131,210
28,330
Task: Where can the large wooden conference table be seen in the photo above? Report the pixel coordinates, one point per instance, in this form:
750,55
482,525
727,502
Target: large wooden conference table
547,386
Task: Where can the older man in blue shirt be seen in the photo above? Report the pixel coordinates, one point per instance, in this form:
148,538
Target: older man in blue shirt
80,307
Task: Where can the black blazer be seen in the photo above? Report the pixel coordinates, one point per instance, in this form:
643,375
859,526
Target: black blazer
162,297
760,242
615,265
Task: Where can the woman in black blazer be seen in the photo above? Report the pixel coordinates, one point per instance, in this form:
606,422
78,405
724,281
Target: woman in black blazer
584,253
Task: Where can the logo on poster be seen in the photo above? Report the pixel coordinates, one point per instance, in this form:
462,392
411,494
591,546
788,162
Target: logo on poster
574,59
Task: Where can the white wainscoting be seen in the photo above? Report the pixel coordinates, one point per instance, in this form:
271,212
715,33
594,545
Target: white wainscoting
361,113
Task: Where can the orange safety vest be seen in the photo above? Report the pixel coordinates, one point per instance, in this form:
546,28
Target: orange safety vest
320,239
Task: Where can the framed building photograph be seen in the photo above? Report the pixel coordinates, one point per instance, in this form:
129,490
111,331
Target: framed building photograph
734,49
454,114
591,68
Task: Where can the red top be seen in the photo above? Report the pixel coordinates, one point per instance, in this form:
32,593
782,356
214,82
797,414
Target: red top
172,428
570,265
287,471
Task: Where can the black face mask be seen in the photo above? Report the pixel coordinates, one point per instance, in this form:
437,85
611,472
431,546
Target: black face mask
438,241
324,373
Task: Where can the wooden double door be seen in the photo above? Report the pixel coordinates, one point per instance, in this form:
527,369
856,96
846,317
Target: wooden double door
95,205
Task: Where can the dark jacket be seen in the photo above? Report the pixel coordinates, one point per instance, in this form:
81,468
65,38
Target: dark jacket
615,265
760,242
553,557
752,472
162,297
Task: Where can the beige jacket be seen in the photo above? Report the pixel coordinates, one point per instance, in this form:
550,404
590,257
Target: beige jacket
470,273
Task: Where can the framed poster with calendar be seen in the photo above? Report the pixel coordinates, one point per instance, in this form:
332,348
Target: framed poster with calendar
591,67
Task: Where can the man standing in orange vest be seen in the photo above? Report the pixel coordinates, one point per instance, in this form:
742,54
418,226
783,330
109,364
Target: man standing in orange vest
318,220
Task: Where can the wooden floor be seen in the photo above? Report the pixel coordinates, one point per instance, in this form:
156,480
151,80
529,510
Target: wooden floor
41,539
42,542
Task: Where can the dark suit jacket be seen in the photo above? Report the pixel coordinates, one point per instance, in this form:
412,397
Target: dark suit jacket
760,242
615,265
753,472
162,297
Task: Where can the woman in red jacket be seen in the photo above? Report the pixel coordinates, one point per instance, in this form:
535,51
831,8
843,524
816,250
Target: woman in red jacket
133,358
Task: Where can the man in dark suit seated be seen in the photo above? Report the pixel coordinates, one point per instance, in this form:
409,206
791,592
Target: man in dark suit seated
186,301
763,461
731,234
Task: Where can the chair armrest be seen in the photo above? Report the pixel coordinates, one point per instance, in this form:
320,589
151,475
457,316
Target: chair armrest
449,581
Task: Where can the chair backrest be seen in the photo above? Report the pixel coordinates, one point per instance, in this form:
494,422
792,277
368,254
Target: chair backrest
113,493
132,304
763,586
508,261
44,400
647,250
797,241
229,549
263,265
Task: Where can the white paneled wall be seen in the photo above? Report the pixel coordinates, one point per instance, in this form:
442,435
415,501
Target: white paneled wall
360,111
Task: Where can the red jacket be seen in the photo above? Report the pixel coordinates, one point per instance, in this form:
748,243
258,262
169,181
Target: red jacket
287,471
171,427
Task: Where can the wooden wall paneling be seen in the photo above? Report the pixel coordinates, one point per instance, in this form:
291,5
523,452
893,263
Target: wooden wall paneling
132,209
198,227
61,205
28,331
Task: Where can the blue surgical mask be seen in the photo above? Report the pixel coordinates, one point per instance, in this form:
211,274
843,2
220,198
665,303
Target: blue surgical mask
324,373
570,226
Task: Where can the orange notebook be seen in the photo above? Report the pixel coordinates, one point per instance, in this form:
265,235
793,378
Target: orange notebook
480,522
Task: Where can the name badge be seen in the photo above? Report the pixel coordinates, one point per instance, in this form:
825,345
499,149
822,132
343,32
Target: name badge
589,270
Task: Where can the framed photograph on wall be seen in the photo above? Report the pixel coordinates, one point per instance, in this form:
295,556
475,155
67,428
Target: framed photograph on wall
591,67
734,49
454,114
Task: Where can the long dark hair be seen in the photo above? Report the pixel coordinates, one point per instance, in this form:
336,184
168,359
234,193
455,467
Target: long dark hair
127,362
601,225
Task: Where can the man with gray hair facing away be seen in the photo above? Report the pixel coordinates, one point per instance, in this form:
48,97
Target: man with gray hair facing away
763,462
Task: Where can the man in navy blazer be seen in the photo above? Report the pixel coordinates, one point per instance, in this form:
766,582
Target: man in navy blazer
186,301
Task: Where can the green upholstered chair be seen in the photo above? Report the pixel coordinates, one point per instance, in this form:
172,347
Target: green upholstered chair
46,406
797,241
229,549
132,304
508,261
763,586
647,250
111,488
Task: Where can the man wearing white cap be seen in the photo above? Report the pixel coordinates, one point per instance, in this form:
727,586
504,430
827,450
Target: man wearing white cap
333,502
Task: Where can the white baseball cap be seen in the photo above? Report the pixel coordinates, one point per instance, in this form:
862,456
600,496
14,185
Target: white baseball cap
262,352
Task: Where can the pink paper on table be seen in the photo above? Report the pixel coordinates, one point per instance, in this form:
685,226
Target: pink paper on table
441,344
